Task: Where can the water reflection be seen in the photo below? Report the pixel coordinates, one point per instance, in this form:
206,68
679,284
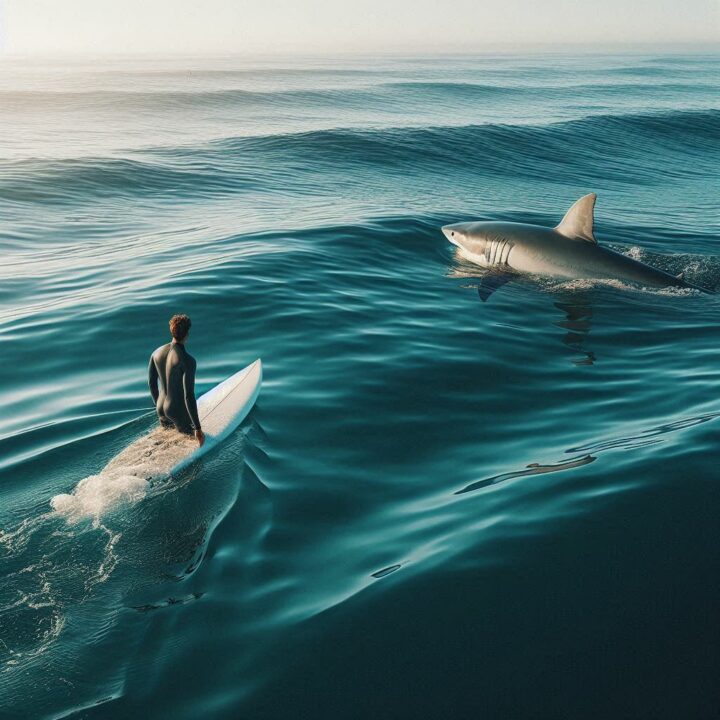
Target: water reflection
651,436
532,469
577,307
576,304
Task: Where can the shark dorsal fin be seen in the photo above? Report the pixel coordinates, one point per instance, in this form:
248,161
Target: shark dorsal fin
578,221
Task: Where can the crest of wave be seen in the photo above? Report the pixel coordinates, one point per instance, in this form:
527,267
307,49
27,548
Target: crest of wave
126,479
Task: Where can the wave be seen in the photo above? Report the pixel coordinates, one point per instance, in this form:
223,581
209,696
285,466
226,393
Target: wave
700,129
589,90
609,145
677,66
451,89
631,148
152,101
364,96
79,179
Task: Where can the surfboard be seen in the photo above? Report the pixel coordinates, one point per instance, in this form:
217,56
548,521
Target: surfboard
224,407
166,451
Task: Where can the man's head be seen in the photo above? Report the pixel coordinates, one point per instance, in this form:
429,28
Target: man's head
180,327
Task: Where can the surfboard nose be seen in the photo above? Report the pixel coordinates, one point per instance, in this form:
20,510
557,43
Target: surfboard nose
258,366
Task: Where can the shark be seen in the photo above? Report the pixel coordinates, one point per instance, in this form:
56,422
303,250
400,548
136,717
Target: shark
568,251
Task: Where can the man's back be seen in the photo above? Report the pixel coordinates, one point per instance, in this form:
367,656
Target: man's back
171,375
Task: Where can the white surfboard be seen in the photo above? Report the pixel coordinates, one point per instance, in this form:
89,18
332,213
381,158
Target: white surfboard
224,407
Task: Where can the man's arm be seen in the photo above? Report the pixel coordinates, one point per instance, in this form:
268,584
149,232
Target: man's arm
153,381
190,402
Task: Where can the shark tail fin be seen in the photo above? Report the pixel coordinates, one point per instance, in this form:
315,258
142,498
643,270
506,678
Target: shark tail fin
578,221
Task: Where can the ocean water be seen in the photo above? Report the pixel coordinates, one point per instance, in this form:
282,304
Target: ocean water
439,507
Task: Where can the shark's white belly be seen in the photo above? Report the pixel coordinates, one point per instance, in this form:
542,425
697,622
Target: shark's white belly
472,257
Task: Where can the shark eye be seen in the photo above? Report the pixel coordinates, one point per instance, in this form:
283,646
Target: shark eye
452,233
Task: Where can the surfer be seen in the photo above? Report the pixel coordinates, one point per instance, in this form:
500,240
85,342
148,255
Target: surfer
171,376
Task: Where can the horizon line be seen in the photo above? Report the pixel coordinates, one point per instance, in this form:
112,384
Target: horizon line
636,47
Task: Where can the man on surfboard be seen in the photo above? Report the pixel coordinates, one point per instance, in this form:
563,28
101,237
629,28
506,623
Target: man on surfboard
171,376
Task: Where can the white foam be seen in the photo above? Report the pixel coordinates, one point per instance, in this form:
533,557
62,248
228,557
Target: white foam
94,496
587,283
636,253
125,480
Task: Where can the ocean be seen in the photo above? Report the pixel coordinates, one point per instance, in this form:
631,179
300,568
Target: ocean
440,507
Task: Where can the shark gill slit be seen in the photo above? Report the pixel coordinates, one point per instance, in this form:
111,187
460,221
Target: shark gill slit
493,252
501,252
497,254
508,248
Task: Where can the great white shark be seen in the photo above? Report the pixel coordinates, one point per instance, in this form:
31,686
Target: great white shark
568,251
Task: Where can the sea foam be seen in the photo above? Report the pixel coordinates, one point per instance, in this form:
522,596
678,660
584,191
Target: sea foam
96,495
126,479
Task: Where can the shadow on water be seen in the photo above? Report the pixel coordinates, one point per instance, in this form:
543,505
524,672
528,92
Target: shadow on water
652,436
576,305
532,469
578,311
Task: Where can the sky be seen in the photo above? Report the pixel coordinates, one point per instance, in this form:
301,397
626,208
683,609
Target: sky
327,26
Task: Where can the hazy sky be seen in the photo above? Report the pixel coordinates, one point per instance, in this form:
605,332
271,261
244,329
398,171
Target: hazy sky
281,26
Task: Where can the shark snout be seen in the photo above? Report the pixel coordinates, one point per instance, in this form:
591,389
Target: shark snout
452,233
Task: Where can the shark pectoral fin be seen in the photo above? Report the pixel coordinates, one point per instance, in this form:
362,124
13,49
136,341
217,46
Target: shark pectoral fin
492,281
578,221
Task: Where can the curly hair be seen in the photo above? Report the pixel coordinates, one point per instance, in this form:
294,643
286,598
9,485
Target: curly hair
180,326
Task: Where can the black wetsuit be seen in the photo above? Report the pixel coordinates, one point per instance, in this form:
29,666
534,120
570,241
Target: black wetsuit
171,375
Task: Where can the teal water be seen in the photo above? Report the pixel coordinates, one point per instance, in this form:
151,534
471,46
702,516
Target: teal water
439,508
